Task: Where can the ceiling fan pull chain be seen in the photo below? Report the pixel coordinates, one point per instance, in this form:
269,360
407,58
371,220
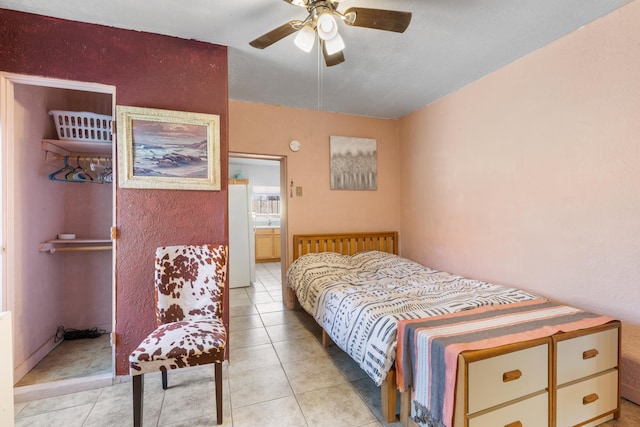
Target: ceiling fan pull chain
319,76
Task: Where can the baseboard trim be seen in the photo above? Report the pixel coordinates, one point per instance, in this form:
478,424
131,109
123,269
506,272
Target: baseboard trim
32,361
631,393
59,388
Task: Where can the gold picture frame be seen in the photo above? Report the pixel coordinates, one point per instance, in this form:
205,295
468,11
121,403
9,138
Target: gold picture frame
165,149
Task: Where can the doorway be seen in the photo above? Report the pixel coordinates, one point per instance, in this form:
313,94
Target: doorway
266,180
58,260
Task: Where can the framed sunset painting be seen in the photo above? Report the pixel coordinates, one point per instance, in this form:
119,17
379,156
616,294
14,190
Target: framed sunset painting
164,149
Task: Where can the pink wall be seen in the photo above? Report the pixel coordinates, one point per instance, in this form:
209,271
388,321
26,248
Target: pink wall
530,176
268,129
148,70
38,285
62,289
88,276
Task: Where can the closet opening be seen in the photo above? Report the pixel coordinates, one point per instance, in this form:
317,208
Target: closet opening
58,268
257,228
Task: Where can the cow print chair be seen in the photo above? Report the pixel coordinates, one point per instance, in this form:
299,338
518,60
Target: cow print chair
189,284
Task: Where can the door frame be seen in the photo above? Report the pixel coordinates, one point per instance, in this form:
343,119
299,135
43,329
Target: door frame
8,177
283,206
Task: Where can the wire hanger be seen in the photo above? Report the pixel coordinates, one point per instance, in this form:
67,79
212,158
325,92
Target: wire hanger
77,174
65,170
107,173
80,173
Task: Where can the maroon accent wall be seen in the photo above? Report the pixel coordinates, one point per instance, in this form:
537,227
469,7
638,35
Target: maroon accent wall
148,70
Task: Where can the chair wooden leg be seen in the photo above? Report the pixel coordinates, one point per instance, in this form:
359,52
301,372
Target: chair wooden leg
165,380
138,391
218,380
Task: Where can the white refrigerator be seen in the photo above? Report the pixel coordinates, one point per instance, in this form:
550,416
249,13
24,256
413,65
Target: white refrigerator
241,237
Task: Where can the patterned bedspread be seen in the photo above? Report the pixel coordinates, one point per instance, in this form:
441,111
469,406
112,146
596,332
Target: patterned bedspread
359,299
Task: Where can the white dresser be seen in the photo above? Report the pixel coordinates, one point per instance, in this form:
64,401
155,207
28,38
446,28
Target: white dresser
505,386
587,377
569,379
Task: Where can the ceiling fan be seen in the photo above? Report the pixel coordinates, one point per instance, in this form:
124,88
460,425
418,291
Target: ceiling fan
323,19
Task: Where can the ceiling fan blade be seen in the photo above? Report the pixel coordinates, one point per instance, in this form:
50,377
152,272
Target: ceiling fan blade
276,34
379,19
331,60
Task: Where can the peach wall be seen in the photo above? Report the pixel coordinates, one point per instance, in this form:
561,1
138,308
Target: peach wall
268,129
529,177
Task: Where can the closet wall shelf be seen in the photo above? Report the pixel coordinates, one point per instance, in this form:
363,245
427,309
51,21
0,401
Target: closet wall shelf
52,246
63,147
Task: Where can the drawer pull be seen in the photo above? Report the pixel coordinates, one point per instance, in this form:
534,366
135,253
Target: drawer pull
514,424
511,376
589,354
590,398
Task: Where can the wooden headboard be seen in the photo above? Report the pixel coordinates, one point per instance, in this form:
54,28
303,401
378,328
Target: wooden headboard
345,243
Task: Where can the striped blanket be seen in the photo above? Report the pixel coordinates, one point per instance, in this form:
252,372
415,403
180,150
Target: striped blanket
359,299
428,349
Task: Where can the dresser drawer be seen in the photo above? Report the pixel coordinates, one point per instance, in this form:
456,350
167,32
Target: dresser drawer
587,399
586,355
506,377
531,412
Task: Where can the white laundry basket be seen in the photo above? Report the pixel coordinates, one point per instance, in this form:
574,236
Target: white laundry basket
82,125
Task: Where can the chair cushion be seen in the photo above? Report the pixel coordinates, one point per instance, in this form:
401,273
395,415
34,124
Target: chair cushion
179,345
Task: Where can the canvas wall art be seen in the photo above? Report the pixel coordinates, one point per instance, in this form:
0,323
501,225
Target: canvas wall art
353,163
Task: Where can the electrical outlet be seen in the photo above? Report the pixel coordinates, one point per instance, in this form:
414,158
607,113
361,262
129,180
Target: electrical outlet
299,191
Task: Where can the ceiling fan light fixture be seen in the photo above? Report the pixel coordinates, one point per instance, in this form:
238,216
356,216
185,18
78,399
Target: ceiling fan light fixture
334,45
322,18
326,26
305,38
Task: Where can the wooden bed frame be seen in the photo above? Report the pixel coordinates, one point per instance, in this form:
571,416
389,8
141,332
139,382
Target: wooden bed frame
349,244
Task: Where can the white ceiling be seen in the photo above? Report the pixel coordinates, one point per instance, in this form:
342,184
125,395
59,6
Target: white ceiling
448,44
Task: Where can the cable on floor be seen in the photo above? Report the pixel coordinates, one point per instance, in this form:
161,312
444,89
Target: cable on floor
76,334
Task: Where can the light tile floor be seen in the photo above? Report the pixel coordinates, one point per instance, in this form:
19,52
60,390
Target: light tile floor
279,375
94,359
